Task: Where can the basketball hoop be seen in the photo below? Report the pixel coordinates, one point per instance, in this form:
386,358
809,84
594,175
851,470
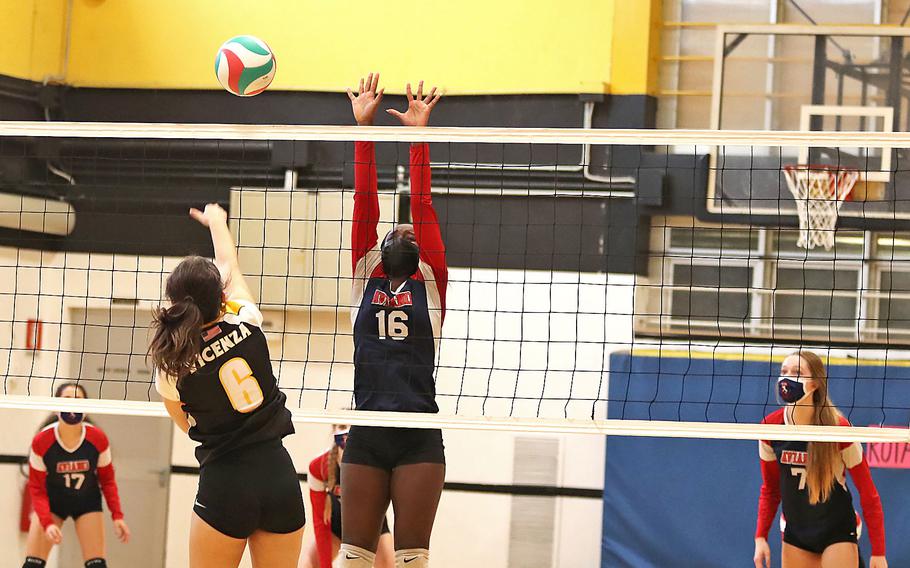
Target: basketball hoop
819,192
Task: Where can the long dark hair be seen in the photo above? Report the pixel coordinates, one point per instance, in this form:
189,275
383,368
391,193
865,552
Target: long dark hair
195,290
51,418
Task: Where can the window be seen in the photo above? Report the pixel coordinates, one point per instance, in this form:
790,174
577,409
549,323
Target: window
755,282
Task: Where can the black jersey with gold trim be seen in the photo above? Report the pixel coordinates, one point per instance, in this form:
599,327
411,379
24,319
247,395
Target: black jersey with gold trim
232,397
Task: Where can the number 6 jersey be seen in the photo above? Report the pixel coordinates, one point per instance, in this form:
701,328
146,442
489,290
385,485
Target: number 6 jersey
232,398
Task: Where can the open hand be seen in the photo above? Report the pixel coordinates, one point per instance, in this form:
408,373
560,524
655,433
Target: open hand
419,107
366,101
878,562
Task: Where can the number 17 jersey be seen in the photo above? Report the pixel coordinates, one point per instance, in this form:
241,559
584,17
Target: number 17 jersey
232,397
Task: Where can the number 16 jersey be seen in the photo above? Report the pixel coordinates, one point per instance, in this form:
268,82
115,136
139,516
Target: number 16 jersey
232,397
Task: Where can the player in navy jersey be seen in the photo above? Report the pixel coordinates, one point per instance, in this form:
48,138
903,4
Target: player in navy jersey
324,479
819,525
398,295
215,375
70,467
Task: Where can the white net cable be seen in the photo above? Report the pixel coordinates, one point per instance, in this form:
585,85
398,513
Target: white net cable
523,348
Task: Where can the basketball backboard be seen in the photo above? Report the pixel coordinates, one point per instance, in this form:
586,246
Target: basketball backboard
819,78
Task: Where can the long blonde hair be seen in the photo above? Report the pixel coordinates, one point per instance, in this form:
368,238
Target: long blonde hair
331,477
823,461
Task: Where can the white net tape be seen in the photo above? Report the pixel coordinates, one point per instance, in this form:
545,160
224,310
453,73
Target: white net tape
819,191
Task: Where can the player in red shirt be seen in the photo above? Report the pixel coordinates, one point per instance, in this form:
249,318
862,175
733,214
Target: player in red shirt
398,293
819,525
324,479
69,468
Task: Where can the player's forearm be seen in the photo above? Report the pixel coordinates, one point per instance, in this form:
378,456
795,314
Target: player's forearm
107,480
40,501
178,414
225,250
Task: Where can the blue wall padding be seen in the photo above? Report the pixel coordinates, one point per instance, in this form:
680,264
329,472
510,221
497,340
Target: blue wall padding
677,503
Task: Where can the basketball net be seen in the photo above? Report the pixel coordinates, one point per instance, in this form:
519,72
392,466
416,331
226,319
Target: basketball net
819,191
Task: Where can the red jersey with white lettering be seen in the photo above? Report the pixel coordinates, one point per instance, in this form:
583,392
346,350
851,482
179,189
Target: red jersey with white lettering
783,466
396,332
68,482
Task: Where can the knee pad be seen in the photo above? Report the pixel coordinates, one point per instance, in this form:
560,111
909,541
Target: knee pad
33,562
351,556
96,563
412,558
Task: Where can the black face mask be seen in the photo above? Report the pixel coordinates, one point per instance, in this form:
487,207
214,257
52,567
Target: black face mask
71,417
790,390
341,439
400,256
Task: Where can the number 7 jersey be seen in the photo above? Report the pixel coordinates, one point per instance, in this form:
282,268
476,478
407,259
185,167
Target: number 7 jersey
232,397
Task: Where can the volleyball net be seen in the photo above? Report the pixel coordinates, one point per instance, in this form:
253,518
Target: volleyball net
632,282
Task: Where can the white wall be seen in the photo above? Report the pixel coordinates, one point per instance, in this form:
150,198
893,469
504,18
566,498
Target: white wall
516,343
472,529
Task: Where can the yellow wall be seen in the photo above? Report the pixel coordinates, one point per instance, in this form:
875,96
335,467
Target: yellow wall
467,47
31,45
636,47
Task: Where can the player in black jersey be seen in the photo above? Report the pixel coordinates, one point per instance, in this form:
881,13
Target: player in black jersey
809,479
399,292
215,375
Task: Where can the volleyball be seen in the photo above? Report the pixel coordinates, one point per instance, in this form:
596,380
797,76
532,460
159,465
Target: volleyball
245,66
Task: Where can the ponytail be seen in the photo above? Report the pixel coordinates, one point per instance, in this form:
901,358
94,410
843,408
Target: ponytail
177,339
195,291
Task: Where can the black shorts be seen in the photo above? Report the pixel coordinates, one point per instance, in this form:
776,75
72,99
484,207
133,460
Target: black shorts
75,507
818,541
336,519
250,489
388,448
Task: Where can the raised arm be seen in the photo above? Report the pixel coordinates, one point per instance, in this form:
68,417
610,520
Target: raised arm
426,225
215,219
366,198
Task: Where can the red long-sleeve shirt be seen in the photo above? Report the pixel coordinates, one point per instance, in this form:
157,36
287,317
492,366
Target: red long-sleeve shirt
784,480
62,477
365,257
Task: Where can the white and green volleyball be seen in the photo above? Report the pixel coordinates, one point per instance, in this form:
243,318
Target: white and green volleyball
245,65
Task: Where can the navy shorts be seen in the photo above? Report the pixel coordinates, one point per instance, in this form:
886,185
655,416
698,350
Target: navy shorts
388,448
75,507
820,540
250,489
